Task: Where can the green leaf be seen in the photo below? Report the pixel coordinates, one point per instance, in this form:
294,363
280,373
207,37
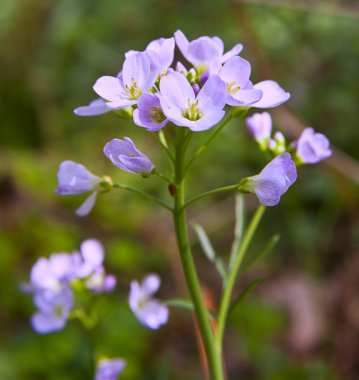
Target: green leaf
238,229
180,303
249,260
209,251
243,293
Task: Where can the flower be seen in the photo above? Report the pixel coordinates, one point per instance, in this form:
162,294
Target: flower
205,52
312,147
260,127
54,309
149,113
109,369
74,178
273,94
273,181
125,155
235,73
149,311
183,108
96,107
136,77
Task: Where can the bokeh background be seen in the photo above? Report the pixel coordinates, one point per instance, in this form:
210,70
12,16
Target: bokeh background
302,322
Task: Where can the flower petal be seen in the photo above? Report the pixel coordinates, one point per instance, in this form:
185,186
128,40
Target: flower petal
87,205
96,107
273,94
109,88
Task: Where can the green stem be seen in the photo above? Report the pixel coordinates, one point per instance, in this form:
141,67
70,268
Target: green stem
200,150
226,298
144,194
179,215
219,190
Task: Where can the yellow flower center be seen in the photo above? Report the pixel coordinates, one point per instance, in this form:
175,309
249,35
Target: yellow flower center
192,112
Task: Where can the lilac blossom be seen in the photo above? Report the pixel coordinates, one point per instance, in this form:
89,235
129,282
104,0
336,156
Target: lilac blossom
260,127
54,309
312,147
149,311
182,107
137,77
273,94
125,155
52,273
235,73
96,107
149,113
109,369
74,178
273,181
205,52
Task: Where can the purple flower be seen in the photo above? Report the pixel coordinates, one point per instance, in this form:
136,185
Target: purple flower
260,127
54,309
273,94
109,369
205,52
273,181
52,273
149,113
74,178
125,155
149,311
235,73
96,107
90,258
136,77
183,108
161,52
99,282
312,147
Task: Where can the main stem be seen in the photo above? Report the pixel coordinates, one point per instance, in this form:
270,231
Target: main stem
214,359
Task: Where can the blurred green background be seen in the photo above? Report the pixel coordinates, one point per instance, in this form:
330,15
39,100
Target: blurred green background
302,322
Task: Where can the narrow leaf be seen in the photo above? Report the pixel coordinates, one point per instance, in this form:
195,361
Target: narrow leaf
243,294
249,260
180,303
238,229
209,251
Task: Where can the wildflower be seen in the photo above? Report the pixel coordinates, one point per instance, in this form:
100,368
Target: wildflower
149,311
312,147
183,108
96,107
109,369
235,73
136,77
205,52
149,113
125,155
74,178
260,127
273,181
273,94
54,309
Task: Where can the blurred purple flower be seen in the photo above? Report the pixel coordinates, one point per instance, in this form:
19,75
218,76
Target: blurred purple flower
96,107
149,311
312,147
205,52
183,108
125,155
273,181
54,309
99,282
136,77
89,258
260,127
149,113
109,369
74,178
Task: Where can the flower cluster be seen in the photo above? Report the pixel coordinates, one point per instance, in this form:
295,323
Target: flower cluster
52,280
193,98
310,148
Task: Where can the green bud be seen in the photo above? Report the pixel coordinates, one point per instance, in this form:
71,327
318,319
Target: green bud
106,183
125,113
